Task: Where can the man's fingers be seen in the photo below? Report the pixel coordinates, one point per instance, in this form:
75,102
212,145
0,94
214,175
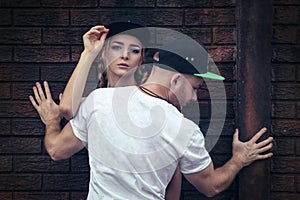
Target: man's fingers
264,156
36,95
236,135
264,142
47,90
265,148
40,90
258,135
33,102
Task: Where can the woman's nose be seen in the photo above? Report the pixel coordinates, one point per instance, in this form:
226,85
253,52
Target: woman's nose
125,54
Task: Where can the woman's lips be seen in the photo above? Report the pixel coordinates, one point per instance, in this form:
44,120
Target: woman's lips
123,65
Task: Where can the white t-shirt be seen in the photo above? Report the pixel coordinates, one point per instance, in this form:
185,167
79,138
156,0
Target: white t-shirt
135,142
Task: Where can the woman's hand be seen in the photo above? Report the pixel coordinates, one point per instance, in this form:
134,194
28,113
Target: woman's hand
94,39
44,104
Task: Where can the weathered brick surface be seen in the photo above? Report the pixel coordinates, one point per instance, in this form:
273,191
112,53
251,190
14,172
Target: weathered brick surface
59,182
41,195
5,91
39,164
20,36
282,183
27,127
41,17
42,40
4,127
20,182
69,3
287,164
127,3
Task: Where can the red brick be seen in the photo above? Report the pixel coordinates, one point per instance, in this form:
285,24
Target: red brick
286,14
6,196
21,91
284,72
209,17
5,54
69,3
286,127
17,109
20,36
39,163
195,3
19,72
187,3
12,145
298,183
41,195
285,34
286,53
284,109
222,53
284,196
5,91
150,17
127,3
285,164
195,195
63,35
27,127
284,146
42,54
285,91
57,72
5,17
20,182
58,182
297,147
41,17
18,3
75,53
283,183
4,127
5,163
202,35
223,35
79,163
298,110
78,195
286,2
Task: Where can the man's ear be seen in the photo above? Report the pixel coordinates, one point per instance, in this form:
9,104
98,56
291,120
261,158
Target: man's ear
175,81
156,56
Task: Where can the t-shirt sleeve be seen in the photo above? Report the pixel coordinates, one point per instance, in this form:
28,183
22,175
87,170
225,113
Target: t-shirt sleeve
196,157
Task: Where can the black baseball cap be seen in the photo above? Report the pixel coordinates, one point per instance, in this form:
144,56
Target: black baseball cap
186,56
129,25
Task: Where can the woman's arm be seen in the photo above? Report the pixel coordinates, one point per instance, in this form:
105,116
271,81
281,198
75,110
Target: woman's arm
93,42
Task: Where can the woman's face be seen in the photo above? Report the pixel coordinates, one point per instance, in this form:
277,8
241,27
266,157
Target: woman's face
123,54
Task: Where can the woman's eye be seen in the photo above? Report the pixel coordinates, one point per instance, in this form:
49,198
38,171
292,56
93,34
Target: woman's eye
135,51
116,47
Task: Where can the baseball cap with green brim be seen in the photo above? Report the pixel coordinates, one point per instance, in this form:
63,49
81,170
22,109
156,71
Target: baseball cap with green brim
185,56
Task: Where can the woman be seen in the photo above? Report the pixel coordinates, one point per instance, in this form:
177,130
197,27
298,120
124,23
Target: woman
119,55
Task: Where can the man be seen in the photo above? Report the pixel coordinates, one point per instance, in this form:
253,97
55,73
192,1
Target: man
136,136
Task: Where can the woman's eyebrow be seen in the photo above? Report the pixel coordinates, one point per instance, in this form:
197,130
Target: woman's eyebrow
122,43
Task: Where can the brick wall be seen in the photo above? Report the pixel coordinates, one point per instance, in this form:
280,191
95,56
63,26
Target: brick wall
285,168
42,40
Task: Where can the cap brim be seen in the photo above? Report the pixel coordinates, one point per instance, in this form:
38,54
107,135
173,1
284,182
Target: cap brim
211,76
